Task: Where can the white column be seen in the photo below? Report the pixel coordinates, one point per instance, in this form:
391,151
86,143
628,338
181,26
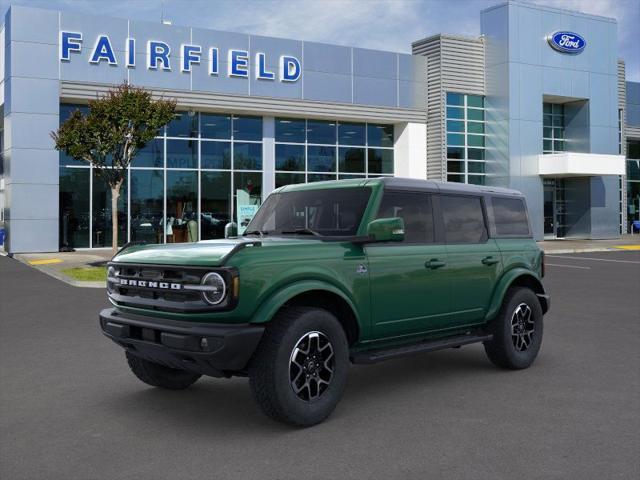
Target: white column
410,150
268,156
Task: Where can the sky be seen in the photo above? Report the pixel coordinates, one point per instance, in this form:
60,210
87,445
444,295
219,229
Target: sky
378,24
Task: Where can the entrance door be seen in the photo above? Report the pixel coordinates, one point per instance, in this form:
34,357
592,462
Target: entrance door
410,281
555,208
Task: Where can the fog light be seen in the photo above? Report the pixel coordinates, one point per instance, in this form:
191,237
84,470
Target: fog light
204,344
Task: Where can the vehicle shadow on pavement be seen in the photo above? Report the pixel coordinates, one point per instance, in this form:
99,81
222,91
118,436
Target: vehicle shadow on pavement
228,405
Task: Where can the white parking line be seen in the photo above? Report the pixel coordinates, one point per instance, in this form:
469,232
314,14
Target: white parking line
591,258
568,266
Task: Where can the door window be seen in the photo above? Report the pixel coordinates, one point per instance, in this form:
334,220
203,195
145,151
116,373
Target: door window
463,219
416,211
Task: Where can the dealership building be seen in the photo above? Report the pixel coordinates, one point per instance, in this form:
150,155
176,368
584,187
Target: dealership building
538,102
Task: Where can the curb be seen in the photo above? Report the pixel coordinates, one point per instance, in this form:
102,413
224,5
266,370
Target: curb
581,250
63,278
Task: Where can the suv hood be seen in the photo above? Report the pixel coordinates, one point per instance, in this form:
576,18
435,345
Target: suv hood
204,253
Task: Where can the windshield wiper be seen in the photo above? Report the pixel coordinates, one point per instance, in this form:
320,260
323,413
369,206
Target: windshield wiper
302,231
262,233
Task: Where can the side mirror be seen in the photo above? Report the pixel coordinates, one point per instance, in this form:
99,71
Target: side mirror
230,230
386,230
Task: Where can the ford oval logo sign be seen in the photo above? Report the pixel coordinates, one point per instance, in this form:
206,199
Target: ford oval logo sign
567,42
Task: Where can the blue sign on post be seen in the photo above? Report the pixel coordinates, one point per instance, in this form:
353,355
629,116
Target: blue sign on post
567,42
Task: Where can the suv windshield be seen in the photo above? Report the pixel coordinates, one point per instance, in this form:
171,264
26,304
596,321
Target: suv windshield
321,212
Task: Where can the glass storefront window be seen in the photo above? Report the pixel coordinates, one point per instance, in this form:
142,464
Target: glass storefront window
283,179
215,204
215,155
475,101
250,183
182,206
455,113
320,131
290,130
101,216
465,138
74,207
474,114
290,157
552,128
380,161
314,177
455,126
351,133
321,159
151,155
215,126
379,135
633,182
189,142
351,160
182,154
247,156
66,109
147,193
455,98
185,124
247,128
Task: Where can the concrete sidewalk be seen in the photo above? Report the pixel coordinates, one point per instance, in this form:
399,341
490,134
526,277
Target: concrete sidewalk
626,242
53,264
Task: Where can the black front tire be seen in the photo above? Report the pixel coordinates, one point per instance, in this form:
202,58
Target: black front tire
517,330
158,375
278,384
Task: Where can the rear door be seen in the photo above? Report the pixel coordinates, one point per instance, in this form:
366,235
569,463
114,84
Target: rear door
474,260
410,285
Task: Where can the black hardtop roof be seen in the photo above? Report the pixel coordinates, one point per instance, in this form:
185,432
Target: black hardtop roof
443,187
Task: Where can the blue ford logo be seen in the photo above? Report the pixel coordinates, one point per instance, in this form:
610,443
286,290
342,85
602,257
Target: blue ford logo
567,42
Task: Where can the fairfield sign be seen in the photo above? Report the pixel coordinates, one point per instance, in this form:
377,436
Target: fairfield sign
159,56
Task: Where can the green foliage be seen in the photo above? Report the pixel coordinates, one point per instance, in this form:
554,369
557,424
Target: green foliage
117,126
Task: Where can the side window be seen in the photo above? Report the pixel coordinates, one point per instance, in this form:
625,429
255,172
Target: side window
415,209
463,219
510,216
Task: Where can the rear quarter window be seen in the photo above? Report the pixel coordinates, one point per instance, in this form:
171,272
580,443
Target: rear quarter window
463,219
510,217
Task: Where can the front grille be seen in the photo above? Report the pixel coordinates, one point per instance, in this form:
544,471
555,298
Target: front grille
162,287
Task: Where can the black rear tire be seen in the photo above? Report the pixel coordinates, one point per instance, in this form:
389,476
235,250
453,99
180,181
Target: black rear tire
517,330
307,394
158,375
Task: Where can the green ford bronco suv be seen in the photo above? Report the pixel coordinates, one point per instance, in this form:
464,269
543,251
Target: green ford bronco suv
328,274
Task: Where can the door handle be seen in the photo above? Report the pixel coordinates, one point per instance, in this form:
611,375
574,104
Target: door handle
434,263
490,260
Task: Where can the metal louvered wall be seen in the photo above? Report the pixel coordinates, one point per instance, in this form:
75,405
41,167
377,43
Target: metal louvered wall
622,112
454,64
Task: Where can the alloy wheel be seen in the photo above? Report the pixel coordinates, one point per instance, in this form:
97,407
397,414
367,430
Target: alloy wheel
522,327
311,366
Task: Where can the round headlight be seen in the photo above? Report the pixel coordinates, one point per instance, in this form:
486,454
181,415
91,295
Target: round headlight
216,288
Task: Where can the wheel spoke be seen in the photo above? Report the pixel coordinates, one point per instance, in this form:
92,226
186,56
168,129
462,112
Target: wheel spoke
311,366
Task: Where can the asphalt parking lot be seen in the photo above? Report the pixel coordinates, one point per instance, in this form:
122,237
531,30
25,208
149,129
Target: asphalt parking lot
70,409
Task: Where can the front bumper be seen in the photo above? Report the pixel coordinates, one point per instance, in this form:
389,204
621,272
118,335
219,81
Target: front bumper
216,350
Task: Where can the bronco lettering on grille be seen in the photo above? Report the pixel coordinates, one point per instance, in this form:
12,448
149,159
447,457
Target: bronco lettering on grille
149,284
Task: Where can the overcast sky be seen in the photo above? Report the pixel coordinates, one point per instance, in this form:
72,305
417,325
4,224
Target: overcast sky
379,24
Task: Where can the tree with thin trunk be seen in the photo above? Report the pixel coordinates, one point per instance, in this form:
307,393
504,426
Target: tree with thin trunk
110,135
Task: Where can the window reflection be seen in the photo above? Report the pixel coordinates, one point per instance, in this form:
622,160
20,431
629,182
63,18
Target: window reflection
101,217
74,207
182,196
147,205
215,204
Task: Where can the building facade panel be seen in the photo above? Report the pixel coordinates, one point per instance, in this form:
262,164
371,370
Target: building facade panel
257,112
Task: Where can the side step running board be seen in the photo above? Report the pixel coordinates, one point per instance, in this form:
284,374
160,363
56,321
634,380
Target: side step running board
374,356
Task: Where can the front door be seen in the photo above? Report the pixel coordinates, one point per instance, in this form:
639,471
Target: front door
410,284
555,208
474,261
